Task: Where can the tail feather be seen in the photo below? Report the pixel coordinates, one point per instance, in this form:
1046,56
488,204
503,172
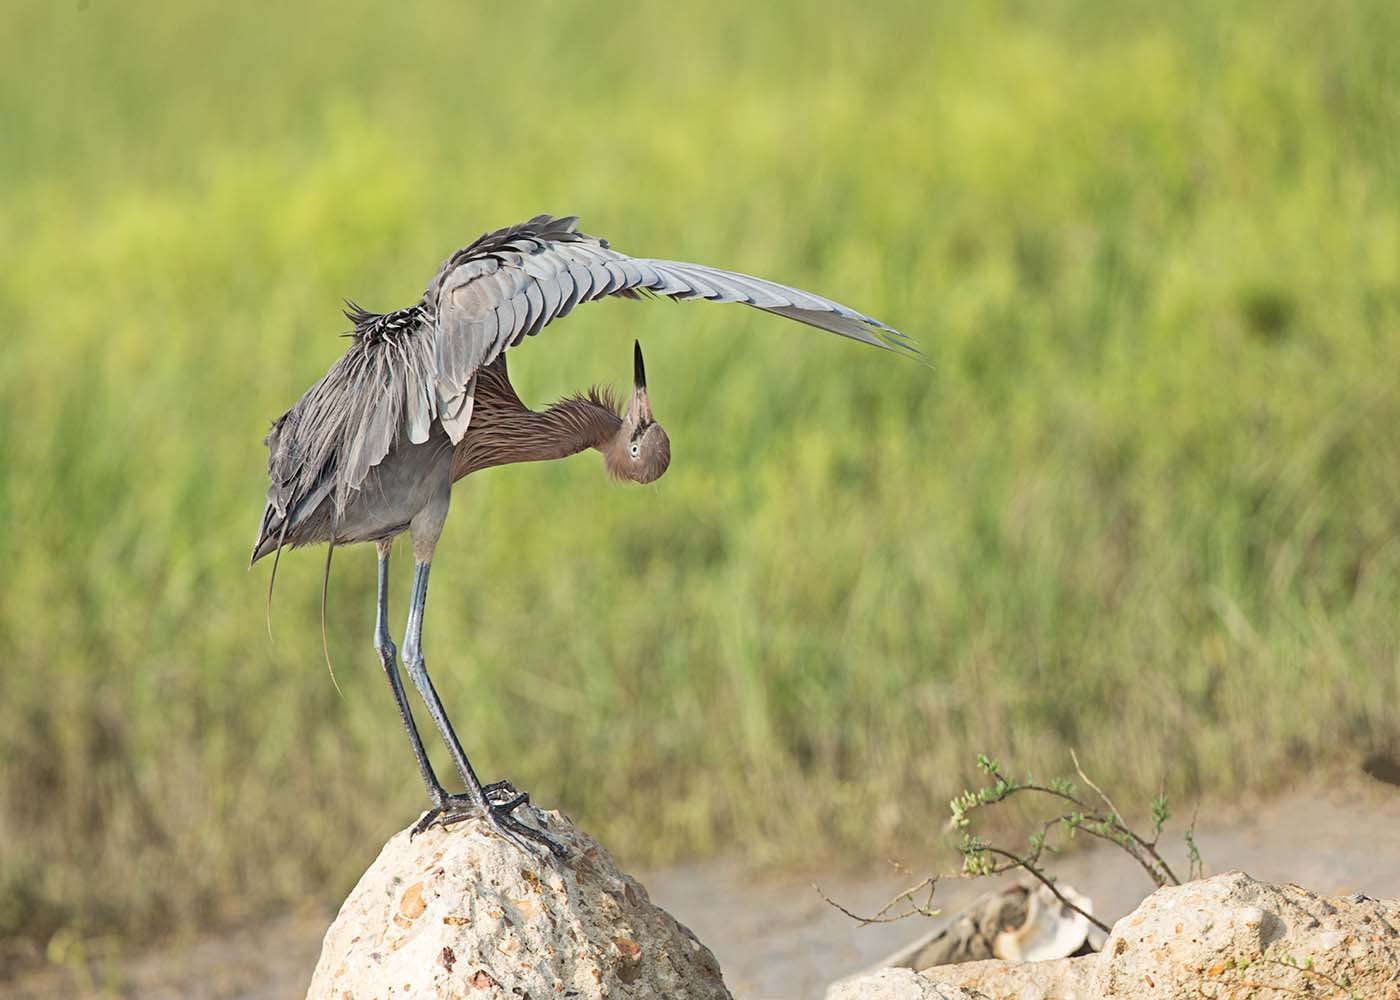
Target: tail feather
272,577
325,591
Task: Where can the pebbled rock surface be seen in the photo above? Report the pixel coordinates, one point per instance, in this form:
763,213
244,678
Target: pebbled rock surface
1229,937
899,984
1056,979
463,914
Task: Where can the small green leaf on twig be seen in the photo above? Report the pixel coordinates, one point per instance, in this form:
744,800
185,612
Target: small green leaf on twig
1160,814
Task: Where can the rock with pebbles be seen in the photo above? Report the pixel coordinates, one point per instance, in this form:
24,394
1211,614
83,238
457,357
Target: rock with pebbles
463,914
899,984
1225,938
1232,937
1056,979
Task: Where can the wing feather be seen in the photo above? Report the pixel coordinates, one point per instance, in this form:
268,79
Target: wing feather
458,414
534,299
575,286
553,290
604,281
420,365
505,323
420,410
510,284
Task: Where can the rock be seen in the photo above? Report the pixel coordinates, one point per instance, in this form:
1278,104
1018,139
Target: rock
1233,937
1057,979
1228,938
464,914
899,984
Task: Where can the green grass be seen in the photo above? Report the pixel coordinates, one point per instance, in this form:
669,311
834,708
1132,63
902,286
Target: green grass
1145,504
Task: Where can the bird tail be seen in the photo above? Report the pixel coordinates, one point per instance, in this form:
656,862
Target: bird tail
271,533
325,591
268,542
272,537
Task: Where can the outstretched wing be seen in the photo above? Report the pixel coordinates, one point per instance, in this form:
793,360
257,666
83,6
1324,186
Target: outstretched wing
508,285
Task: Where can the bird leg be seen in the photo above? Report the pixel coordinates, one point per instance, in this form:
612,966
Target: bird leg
384,646
443,800
497,802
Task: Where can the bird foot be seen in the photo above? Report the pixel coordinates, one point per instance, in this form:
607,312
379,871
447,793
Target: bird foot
502,799
461,803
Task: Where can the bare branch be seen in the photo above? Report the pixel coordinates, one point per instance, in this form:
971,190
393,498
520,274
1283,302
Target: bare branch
1117,820
1193,853
883,915
1049,883
1114,814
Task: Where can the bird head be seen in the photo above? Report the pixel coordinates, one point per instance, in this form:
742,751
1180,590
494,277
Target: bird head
641,451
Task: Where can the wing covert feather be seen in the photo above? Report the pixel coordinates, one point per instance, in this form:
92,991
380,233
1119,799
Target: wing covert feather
510,284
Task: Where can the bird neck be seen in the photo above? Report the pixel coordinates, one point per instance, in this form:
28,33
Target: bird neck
504,431
588,420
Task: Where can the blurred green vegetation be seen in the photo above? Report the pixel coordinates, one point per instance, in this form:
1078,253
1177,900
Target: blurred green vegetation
1146,504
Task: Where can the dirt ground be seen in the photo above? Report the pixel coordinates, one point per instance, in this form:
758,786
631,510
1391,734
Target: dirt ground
775,937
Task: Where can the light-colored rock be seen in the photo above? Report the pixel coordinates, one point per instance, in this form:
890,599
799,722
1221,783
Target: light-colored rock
1057,979
1232,937
1225,938
898,984
463,914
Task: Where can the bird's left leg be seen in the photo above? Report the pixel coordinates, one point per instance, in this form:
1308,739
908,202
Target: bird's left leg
384,646
442,800
479,800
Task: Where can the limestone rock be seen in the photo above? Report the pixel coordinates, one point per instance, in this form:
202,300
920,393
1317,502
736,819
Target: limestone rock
899,984
1231,937
464,914
1228,938
1056,979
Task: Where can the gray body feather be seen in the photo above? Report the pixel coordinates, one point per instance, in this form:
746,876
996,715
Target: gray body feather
370,444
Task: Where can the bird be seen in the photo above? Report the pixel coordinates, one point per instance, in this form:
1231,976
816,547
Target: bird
422,397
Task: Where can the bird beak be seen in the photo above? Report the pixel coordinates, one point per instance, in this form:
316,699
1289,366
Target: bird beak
641,406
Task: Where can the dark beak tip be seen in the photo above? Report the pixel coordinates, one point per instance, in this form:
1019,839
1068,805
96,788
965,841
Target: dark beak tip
639,372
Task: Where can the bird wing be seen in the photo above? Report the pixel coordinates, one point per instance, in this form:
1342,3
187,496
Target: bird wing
510,284
340,429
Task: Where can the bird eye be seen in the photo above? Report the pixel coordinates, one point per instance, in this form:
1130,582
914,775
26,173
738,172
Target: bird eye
635,450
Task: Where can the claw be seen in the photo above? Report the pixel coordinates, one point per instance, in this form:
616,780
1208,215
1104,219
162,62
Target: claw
502,798
425,821
500,816
503,791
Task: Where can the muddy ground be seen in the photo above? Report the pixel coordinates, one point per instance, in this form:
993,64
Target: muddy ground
778,940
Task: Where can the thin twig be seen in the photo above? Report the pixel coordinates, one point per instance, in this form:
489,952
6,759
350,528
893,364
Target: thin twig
1156,827
1159,878
1308,970
1197,866
1114,814
1018,862
1130,848
1116,820
881,915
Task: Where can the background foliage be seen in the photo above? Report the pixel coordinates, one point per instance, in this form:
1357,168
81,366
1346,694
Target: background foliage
1144,505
